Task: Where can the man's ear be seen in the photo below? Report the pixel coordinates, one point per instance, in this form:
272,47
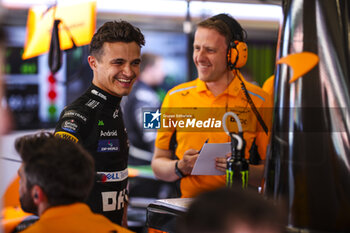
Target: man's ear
37,194
92,62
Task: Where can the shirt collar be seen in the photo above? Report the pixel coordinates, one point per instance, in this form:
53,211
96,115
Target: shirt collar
232,89
114,100
201,87
62,210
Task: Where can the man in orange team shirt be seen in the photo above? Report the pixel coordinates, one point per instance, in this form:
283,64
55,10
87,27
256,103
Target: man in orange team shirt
219,50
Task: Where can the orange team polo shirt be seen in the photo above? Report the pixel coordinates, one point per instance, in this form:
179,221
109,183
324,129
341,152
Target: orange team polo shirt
73,218
195,98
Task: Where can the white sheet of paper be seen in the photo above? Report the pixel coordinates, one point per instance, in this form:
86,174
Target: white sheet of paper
205,164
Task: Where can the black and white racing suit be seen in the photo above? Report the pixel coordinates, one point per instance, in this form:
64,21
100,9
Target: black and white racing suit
95,121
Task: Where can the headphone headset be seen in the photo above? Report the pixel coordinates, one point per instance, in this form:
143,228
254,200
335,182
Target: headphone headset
237,55
237,51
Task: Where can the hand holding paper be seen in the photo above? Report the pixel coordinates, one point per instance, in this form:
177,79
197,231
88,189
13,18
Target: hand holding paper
205,163
188,161
221,162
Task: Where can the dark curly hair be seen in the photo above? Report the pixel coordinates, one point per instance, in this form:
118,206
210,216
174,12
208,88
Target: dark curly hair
63,169
115,31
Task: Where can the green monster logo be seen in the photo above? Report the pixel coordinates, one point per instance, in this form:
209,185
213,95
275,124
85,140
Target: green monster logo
244,176
229,177
100,123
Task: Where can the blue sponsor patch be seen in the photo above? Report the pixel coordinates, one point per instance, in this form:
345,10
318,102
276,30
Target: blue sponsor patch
108,145
69,130
70,126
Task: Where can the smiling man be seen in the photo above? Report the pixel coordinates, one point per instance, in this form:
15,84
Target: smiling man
219,51
95,119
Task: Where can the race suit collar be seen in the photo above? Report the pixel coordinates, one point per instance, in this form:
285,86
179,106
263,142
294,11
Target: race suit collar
103,95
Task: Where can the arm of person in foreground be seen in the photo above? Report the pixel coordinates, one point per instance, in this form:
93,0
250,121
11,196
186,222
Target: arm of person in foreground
164,166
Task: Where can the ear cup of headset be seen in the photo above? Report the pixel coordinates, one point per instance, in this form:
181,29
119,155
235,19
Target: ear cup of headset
238,54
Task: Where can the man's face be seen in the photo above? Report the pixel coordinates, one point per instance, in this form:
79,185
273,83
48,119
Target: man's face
25,197
209,54
117,67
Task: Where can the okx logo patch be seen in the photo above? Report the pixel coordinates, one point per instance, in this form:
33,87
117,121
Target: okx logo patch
108,145
151,119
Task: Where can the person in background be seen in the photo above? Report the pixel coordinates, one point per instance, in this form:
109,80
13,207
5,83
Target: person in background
56,177
95,119
231,210
143,96
219,85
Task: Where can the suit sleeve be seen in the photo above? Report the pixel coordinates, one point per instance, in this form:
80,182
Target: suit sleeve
71,125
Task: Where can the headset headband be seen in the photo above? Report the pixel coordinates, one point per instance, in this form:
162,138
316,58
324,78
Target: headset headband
235,28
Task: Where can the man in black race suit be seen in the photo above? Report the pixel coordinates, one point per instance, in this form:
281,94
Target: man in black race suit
95,118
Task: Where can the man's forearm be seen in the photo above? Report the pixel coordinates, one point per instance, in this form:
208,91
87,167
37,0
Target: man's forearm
163,166
164,169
